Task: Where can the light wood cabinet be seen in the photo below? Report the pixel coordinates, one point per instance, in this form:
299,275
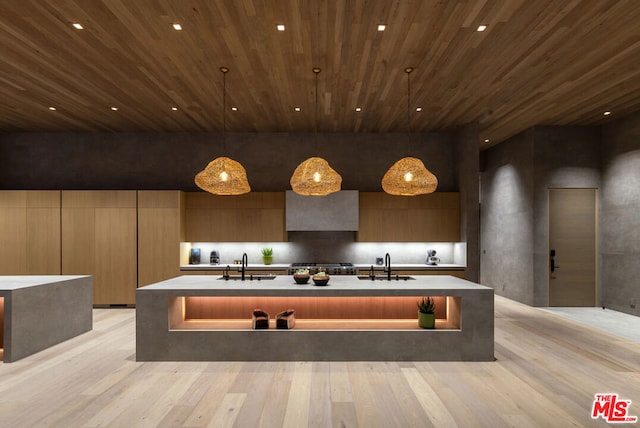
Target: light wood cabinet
99,237
30,232
254,217
159,235
425,218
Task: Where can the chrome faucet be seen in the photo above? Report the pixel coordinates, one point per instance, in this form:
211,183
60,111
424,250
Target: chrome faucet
245,263
387,266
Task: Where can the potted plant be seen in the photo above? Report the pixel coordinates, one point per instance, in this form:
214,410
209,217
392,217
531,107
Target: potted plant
267,256
320,278
301,276
426,316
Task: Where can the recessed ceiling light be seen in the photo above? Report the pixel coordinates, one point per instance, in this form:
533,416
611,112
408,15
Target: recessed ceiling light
77,26
607,113
177,27
174,108
358,109
52,108
297,108
280,27
418,108
234,108
381,27
486,140
481,28
114,108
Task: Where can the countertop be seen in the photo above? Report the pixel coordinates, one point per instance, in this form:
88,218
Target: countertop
16,282
284,285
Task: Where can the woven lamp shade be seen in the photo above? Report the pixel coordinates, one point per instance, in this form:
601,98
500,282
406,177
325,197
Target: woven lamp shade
409,177
223,176
314,177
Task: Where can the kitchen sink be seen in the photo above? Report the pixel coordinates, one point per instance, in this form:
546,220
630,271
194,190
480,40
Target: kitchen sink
384,277
247,277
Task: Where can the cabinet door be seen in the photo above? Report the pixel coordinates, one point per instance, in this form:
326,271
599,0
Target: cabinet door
30,232
425,218
435,216
99,239
159,214
256,217
78,240
115,252
13,230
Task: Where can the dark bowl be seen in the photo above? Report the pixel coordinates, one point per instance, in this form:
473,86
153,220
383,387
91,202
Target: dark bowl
320,282
301,279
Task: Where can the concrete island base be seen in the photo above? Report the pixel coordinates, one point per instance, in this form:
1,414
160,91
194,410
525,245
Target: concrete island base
202,318
37,312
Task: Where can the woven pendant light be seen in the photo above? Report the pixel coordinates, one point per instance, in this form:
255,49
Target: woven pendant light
314,176
223,175
409,176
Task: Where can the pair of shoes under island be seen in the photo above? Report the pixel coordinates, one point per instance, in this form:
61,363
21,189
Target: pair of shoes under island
284,320
260,319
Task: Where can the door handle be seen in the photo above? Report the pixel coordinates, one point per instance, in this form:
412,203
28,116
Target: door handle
552,261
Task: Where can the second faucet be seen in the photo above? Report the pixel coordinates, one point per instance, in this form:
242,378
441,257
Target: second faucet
387,266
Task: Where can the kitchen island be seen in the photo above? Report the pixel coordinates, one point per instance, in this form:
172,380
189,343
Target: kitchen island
203,318
37,312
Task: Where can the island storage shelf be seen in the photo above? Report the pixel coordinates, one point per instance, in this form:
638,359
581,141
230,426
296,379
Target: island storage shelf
198,318
317,312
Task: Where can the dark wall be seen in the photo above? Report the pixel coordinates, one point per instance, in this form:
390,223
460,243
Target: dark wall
169,161
506,230
515,187
620,214
467,154
564,157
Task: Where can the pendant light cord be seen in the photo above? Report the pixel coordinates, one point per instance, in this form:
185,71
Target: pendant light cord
408,70
316,70
224,70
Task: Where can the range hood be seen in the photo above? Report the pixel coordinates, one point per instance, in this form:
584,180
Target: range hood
335,212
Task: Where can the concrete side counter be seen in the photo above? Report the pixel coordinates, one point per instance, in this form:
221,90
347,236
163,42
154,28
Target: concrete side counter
199,318
41,311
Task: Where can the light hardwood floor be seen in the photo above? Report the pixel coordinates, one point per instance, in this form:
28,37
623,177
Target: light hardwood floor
546,374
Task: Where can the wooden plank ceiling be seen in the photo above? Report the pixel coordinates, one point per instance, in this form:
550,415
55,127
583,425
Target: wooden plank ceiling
551,62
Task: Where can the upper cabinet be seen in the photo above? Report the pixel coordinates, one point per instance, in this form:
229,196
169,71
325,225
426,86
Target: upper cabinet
253,217
260,217
425,218
30,232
